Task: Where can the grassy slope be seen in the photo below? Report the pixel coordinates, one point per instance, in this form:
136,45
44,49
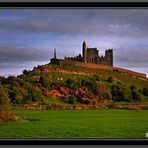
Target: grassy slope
110,123
53,76
104,74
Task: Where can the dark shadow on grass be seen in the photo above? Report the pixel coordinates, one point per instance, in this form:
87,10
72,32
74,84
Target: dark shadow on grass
30,119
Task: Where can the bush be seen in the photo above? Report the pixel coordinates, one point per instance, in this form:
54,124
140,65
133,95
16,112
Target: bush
121,93
4,100
101,91
44,82
55,85
90,84
133,87
35,94
71,84
72,99
53,98
136,96
110,79
26,72
145,91
96,77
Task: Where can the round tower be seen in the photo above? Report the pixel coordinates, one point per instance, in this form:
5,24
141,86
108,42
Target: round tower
84,52
55,55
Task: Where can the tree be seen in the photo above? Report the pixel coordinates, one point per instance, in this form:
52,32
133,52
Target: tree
72,99
4,100
90,84
136,96
133,87
101,91
44,82
71,84
35,94
145,91
25,72
121,93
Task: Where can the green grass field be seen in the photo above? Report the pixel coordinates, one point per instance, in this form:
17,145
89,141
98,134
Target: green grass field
103,123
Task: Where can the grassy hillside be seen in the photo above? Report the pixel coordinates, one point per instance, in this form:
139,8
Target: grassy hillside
65,71
68,84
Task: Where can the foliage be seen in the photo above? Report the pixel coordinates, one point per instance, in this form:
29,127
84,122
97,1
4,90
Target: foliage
4,100
145,91
101,91
96,77
37,85
44,81
136,96
72,99
26,72
121,93
71,84
110,79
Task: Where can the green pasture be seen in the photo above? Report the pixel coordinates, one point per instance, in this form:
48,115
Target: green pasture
96,123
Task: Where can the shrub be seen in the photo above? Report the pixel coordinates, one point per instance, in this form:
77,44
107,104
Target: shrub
90,84
53,98
72,99
55,85
121,93
44,82
133,87
107,96
116,70
136,96
35,94
96,77
25,72
141,91
145,91
4,100
101,90
110,79
71,84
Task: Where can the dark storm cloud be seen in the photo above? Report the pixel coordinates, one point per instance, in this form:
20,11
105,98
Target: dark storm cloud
132,57
14,54
78,22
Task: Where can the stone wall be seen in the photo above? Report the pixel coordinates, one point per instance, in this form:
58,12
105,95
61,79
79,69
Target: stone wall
105,67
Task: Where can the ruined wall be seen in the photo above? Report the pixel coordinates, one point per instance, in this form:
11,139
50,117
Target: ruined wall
92,55
105,67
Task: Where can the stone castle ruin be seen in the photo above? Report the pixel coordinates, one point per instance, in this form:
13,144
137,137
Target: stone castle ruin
91,55
90,58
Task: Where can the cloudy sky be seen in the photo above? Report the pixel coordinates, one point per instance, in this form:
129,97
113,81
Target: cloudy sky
28,36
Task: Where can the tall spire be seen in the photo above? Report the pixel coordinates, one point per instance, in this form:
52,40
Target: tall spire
55,56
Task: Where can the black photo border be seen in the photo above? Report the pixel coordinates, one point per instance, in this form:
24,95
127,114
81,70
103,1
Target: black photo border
76,141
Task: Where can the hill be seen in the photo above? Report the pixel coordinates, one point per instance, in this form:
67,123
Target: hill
76,83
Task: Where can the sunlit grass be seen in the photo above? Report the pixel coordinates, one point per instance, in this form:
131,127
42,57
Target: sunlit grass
103,123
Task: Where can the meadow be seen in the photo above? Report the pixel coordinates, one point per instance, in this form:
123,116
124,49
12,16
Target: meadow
95,123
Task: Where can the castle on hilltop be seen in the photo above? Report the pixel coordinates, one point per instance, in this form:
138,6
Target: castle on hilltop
89,55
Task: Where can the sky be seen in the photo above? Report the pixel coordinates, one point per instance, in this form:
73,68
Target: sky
29,36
